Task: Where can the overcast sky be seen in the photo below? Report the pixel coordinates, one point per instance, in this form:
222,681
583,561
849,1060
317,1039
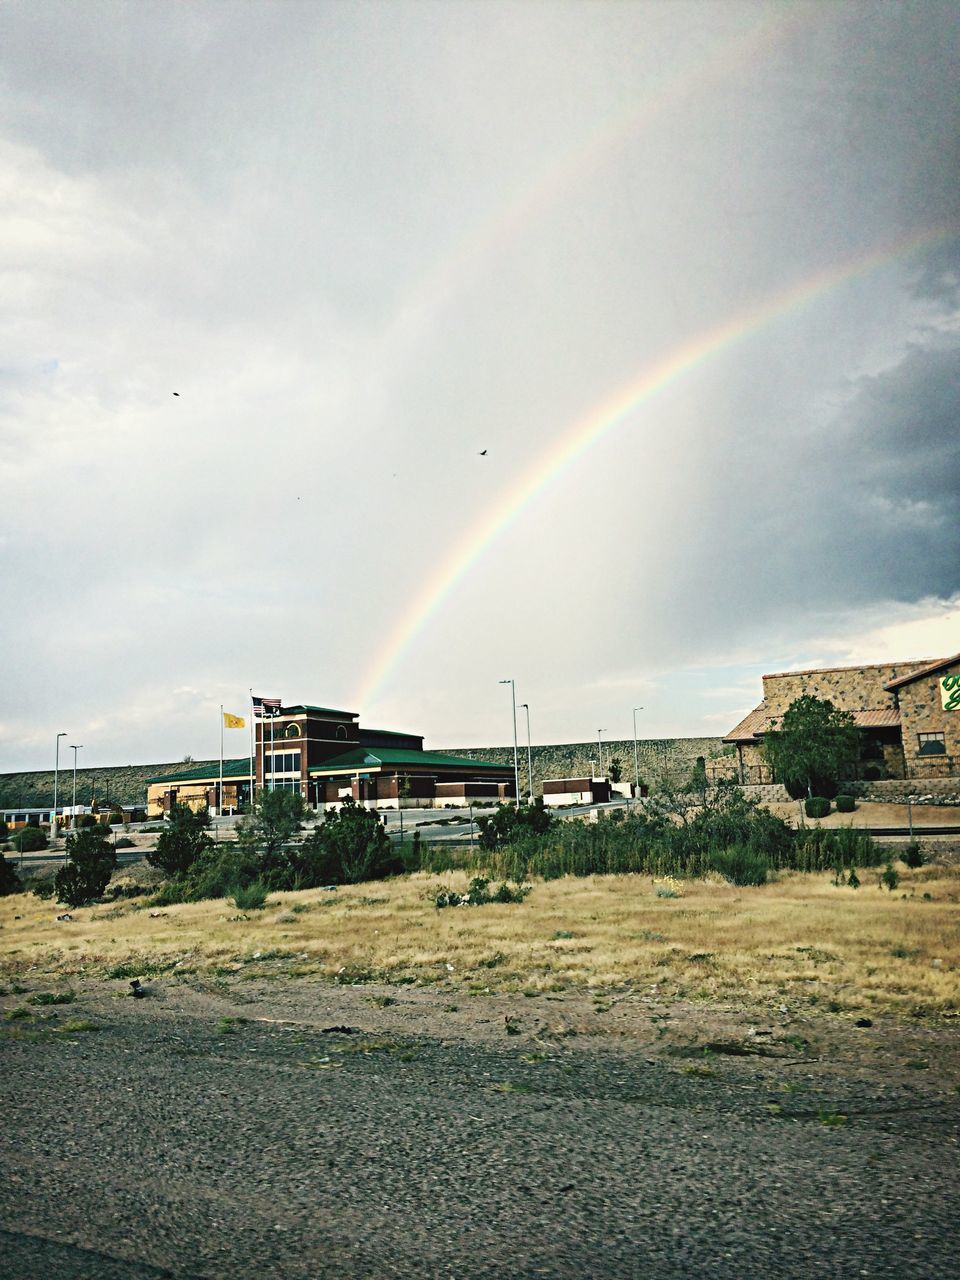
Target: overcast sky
365,243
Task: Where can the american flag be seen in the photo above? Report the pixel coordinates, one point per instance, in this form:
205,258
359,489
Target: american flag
265,706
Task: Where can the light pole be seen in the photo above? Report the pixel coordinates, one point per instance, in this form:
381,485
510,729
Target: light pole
75,749
636,756
56,779
516,763
529,757
600,747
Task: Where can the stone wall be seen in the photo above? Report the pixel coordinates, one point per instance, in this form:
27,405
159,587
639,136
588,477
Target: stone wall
921,711
579,759
900,790
848,688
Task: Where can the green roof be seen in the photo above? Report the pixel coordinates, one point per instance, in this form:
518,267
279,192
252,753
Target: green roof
373,757
206,772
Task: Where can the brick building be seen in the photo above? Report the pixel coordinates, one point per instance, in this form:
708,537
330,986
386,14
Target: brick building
908,714
327,756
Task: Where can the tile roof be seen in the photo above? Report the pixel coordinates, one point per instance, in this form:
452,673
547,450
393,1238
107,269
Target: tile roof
928,670
757,722
752,724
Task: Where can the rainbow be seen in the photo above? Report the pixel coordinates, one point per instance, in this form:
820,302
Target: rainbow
448,272
612,413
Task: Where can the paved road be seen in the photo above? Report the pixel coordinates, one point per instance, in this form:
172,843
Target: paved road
170,1144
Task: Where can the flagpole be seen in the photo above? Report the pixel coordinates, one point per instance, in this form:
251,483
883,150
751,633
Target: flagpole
253,741
220,797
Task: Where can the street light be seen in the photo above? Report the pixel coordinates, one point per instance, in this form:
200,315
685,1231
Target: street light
516,763
75,749
56,778
529,756
600,746
636,757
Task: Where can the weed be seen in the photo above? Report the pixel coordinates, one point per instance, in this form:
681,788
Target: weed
366,1047
382,1002
15,1014
52,997
832,1119
79,1024
890,877
917,1064
563,933
508,1086
227,1026
511,1026
250,897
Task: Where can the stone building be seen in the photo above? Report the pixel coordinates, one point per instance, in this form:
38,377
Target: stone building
908,714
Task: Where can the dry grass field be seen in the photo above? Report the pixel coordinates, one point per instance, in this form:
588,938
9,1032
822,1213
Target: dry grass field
799,941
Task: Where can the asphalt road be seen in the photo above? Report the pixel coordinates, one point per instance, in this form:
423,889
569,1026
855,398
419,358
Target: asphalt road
170,1144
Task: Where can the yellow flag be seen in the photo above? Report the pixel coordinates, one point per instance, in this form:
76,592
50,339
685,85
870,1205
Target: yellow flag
233,722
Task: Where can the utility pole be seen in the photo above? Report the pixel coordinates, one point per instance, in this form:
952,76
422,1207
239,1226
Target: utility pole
516,763
529,757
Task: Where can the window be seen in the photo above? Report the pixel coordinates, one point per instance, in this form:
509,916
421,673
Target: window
931,744
281,762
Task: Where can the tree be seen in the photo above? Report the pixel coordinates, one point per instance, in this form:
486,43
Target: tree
349,846
9,880
30,839
91,861
276,822
182,841
616,769
509,823
814,746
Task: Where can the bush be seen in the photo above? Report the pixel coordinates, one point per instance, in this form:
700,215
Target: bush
816,806
181,842
912,855
250,897
83,820
890,877
30,839
845,804
740,865
9,880
349,846
125,843
91,861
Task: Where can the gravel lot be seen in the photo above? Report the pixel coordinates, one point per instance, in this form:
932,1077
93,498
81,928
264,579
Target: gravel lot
296,1129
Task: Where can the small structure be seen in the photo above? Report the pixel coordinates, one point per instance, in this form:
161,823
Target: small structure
558,791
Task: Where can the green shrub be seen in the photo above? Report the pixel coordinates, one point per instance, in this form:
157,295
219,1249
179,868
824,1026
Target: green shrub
125,843
91,861
740,865
845,803
83,820
912,854
9,880
250,897
30,839
890,876
43,889
816,806
182,841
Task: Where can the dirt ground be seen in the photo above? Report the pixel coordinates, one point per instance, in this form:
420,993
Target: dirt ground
304,1129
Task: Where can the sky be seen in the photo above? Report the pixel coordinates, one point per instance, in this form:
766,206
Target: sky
370,354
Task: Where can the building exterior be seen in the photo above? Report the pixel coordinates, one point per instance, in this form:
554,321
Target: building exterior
908,714
327,756
563,791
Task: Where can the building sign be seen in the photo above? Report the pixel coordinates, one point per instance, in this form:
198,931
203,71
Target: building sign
950,692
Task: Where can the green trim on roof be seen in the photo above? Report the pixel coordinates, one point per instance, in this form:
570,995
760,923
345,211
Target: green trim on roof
325,711
206,772
372,757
